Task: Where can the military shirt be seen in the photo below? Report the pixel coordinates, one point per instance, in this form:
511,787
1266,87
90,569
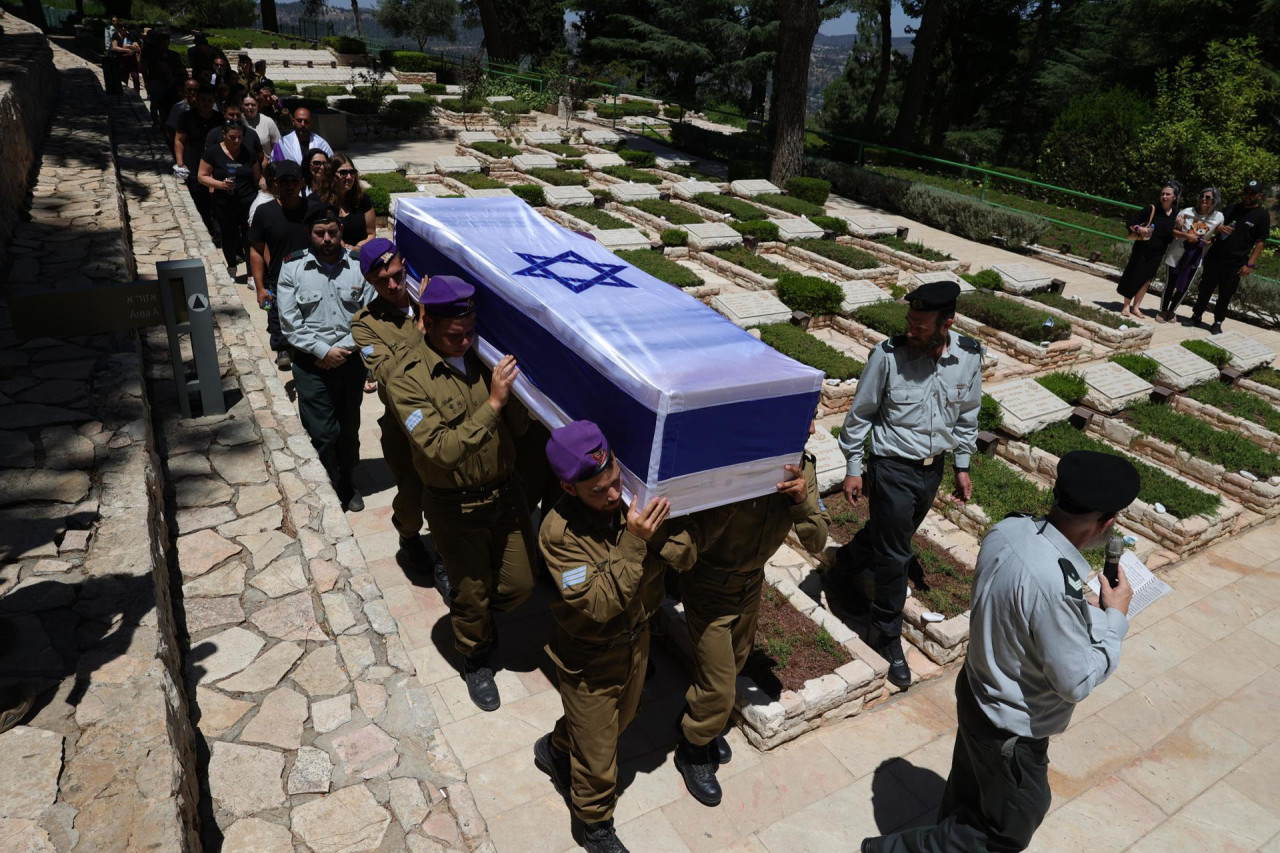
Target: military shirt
610,580
461,442
1036,647
384,334
316,302
913,406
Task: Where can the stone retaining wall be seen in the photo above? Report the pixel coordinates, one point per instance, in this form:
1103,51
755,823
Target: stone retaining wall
738,275
885,276
1271,395
1136,338
906,260
1056,355
28,91
1227,422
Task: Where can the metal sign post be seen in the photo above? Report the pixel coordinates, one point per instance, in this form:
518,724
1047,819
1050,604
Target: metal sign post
187,282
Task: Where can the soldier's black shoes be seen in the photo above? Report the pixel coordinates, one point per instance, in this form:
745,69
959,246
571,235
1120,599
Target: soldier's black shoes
354,503
441,578
890,648
480,684
723,752
697,764
598,837
554,764
413,554
283,360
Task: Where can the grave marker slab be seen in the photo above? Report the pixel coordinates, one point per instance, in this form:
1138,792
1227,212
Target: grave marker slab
373,165
457,165
558,197
600,161
1023,278
866,223
752,188
1111,387
1180,368
525,162
671,162
409,88
466,137
688,189
616,239
920,278
500,100
829,461
1246,353
543,137
860,293
601,137
798,228
492,192
751,309
633,192
711,235
1028,406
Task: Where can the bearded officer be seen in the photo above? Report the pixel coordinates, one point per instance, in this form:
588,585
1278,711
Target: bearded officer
918,398
721,597
1039,643
385,330
460,418
607,560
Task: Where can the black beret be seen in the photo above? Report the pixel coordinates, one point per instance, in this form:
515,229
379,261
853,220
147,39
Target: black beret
934,296
320,213
1090,481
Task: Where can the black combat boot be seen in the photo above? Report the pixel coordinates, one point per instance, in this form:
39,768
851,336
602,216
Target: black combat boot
441,577
552,762
480,684
598,837
890,648
412,555
697,764
723,752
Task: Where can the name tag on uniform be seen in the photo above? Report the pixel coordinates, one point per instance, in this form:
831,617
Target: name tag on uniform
452,406
573,577
415,418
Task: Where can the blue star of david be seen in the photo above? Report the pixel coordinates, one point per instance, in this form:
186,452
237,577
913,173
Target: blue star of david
540,267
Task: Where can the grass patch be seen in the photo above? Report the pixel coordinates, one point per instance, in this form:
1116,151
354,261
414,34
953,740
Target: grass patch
915,247
849,256
887,318
1268,376
660,267
1189,433
674,237
1144,366
990,418
984,279
673,213
632,174
737,208
1215,355
531,193
597,217
1179,498
324,90
562,149
813,190
1085,312
639,159
1066,385
834,224
458,105
392,182
805,348
558,178
810,294
1237,402
478,181
999,489
1017,319
791,204
765,232
495,149
745,258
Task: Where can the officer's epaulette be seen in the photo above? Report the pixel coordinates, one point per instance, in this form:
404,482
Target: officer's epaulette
354,254
295,256
968,343
811,459
1071,583
890,344
1019,515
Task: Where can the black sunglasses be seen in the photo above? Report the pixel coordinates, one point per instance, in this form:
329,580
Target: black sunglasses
346,173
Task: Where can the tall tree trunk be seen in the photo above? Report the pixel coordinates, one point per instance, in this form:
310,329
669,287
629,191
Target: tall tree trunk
921,70
355,10
269,21
495,41
885,9
797,30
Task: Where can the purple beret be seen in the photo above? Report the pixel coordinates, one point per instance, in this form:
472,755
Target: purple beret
447,296
578,451
375,253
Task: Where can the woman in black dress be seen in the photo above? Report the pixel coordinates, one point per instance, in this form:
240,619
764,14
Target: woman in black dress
343,191
1153,226
231,172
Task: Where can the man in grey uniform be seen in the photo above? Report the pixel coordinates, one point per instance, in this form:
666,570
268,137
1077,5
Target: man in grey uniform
918,398
1039,642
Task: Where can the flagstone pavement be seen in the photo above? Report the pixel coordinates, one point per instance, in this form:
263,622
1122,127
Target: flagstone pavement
1178,751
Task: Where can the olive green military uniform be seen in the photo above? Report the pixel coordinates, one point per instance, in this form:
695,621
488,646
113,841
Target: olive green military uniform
721,593
465,454
610,583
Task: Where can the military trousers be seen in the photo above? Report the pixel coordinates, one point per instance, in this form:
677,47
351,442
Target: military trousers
721,609
899,495
997,794
406,506
486,545
600,687
329,405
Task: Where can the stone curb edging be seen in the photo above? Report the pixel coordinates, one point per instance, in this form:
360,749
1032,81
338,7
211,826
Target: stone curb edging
906,260
1056,354
1133,339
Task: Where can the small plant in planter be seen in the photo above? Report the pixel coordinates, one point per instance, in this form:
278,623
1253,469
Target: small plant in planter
1144,366
1065,385
1215,355
805,348
810,294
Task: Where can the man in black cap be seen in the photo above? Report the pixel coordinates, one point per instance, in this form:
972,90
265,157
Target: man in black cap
918,398
1039,643
320,291
1237,245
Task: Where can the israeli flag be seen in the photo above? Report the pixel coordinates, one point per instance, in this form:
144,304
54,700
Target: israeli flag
695,408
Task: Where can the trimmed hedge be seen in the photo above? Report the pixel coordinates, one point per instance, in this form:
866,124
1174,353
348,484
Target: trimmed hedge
284,87
673,213
392,182
574,163
812,190
790,204
834,224
1015,318
639,159
887,318
1180,499
1189,433
1240,403
479,181
849,256
531,193
406,115
561,149
380,199
915,247
1066,385
344,44
597,217
810,294
1144,366
795,342
990,418
629,173
735,207
660,267
675,237
673,111
747,259
356,106
457,105
495,149
558,178
1215,355
324,90
766,232
984,279
1084,312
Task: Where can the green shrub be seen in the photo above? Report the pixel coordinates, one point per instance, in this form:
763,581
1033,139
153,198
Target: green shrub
812,190
324,91
434,88
573,163
1085,312
561,149
559,178
1017,319
406,114
790,204
984,279
1215,355
451,195
457,105
283,88
849,256
356,106
675,237
1000,489
639,159
344,44
834,224
640,108
920,250
380,199
747,259
795,342
421,98
597,217
990,418
1143,366
495,149
1179,498
810,294
479,181
660,267
1198,438
737,208
887,318
1238,402
629,173
673,111
531,193
673,213
610,111
765,232
392,182
1066,385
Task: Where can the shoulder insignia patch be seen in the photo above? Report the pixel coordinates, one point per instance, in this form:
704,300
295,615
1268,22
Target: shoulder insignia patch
573,577
1073,587
295,256
890,344
415,418
354,254
968,343
366,352
822,507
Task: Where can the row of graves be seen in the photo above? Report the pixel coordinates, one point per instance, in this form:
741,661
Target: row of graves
1201,420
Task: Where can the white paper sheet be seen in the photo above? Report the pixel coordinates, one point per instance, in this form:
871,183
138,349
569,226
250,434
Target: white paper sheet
1147,588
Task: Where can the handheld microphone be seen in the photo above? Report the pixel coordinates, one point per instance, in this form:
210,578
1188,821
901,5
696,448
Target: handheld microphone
1111,567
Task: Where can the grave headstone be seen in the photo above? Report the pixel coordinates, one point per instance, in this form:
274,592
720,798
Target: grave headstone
920,278
466,137
457,165
860,293
542,137
601,137
626,193
409,88
492,192
797,228
1180,368
600,161
1028,406
525,162
374,165
500,100
671,162
1023,278
711,235
1246,353
567,196
1111,387
751,308
829,461
867,223
688,189
617,239
752,188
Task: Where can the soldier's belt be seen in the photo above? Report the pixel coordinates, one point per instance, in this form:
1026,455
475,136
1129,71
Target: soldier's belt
469,492
914,463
